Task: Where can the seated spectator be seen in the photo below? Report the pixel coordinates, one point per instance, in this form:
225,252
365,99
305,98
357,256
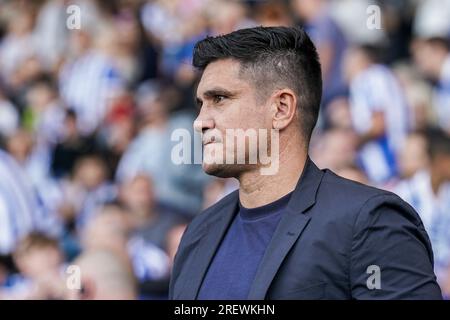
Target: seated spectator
110,229
379,113
147,220
413,156
20,209
104,276
70,147
335,149
40,263
432,56
428,191
329,40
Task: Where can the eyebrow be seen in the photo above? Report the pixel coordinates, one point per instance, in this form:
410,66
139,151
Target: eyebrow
211,93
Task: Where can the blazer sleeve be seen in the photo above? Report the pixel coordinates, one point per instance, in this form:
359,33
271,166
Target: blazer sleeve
391,254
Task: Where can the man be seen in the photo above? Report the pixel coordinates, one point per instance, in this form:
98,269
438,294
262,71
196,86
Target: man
20,212
432,56
379,113
428,191
329,40
301,232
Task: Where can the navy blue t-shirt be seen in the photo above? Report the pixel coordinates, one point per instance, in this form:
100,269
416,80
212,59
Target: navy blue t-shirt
231,273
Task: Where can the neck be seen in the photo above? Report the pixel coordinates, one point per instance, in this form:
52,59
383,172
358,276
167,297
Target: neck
257,190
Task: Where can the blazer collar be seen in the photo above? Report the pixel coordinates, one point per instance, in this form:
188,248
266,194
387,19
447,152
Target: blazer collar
304,194
291,226
213,233
287,232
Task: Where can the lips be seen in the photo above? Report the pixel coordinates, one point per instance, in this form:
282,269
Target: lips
210,140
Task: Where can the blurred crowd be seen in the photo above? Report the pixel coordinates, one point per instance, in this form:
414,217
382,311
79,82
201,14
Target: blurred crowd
87,112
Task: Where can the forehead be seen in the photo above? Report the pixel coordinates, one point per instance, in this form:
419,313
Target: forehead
222,74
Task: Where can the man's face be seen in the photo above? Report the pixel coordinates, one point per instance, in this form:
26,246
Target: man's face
228,100
426,59
444,162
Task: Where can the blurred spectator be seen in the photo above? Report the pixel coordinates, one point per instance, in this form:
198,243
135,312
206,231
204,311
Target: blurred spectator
414,156
432,56
52,39
111,229
379,113
104,277
147,220
18,45
337,113
335,149
40,263
89,188
20,210
273,13
70,147
329,40
44,114
428,191
90,95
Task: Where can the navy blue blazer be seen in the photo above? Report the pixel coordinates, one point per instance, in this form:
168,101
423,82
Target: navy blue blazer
338,239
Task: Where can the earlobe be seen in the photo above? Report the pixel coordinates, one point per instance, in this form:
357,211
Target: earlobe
285,109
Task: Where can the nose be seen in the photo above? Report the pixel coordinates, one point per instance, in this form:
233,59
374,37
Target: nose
202,125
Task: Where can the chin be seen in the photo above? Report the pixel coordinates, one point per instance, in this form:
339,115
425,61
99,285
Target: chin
217,170
221,170
226,170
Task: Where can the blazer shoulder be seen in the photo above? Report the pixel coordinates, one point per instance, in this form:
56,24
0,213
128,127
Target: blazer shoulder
345,187
339,190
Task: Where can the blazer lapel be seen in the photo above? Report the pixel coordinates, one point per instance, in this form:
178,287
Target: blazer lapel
292,224
205,251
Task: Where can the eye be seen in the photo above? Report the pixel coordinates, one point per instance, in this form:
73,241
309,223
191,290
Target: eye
199,103
219,98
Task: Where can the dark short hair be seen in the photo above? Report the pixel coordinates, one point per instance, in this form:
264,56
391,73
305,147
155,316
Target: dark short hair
438,142
272,56
439,42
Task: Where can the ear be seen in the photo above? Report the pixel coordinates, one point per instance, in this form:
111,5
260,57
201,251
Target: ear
284,104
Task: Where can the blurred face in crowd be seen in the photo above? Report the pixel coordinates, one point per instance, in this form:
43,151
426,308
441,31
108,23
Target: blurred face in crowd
413,156
429,57
338,113
107,230
307,9
441,164
104,276
137,195
355,61
336,149
39,97
19,145
80,41
90,172
227,101
225,16
22,23
38,261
